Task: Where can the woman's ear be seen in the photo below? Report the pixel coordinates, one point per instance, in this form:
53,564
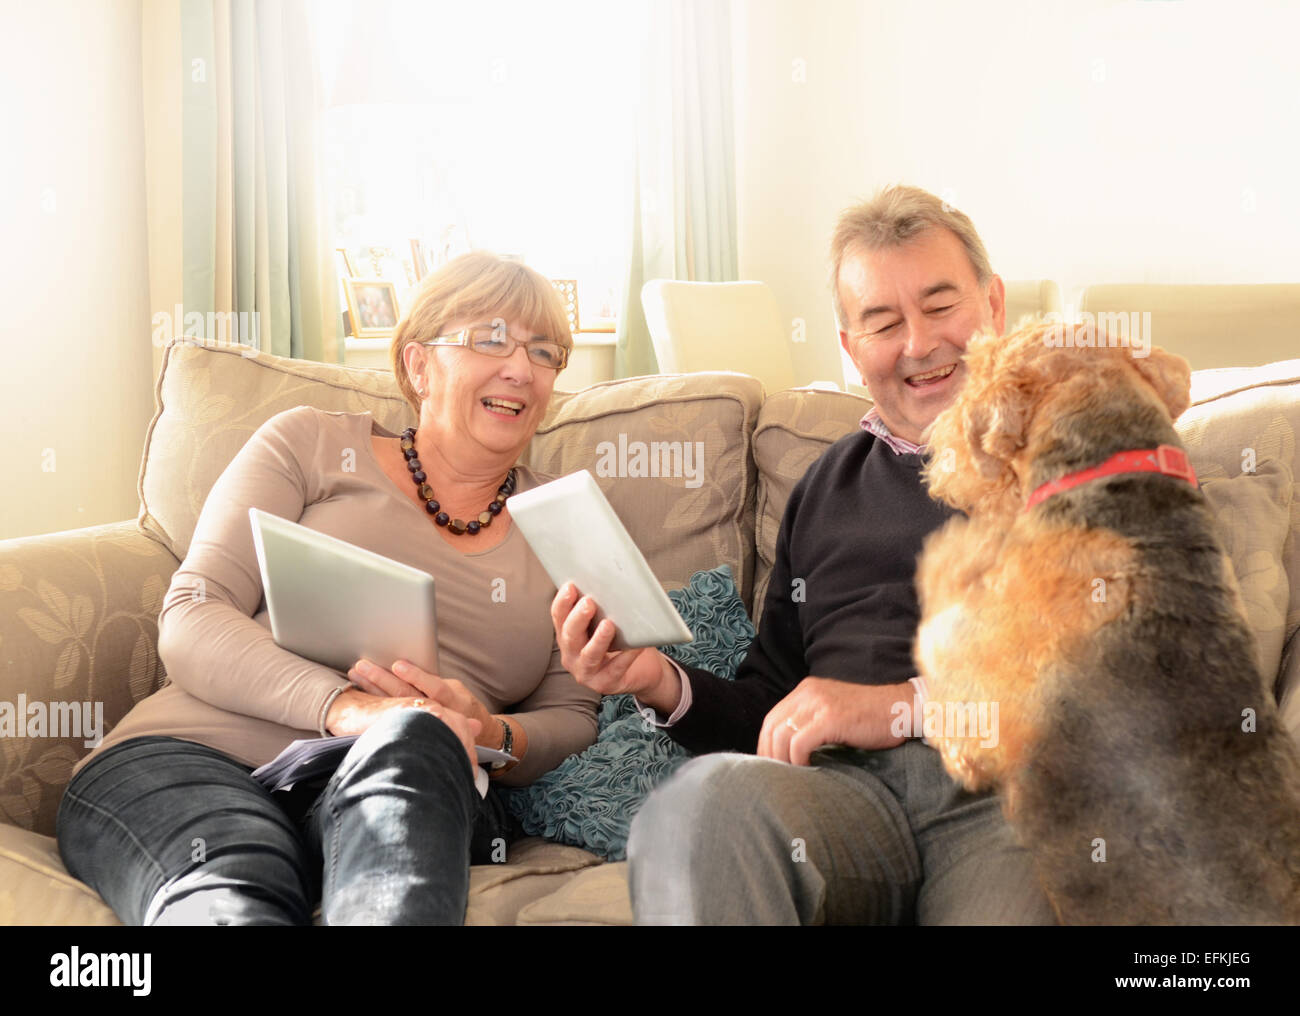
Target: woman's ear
415,358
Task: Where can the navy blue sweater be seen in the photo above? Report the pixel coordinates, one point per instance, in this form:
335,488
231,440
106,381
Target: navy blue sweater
852,531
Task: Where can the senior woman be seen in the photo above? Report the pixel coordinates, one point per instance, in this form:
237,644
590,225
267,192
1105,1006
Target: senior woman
164,820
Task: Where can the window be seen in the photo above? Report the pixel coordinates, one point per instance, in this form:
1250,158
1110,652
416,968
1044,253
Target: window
505,126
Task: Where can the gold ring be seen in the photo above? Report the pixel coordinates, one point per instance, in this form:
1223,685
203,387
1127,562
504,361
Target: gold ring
418,703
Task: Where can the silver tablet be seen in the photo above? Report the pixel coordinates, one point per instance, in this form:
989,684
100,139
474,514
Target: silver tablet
576,535
335,603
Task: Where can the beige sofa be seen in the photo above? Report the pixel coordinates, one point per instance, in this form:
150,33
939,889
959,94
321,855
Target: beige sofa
78,609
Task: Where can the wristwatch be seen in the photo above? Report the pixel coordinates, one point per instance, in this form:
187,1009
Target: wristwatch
507,744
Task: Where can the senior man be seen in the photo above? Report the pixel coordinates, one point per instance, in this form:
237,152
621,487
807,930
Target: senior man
814,810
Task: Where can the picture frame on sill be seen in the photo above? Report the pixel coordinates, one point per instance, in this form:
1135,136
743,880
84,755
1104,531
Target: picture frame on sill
372,306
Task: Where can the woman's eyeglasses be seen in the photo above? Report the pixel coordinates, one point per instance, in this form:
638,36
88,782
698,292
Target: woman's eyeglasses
491,340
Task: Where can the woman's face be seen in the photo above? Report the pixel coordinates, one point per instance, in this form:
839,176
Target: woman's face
487,403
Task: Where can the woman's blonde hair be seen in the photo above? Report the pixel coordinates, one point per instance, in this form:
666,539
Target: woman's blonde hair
477,285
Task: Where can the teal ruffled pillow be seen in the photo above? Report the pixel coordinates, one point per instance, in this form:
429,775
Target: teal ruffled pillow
589,799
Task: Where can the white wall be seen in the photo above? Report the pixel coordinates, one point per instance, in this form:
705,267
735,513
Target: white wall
74,319
1089,141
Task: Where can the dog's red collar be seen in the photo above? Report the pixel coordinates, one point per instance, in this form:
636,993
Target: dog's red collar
1162,459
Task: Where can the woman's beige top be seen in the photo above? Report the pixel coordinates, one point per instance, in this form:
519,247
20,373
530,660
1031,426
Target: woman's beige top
233,689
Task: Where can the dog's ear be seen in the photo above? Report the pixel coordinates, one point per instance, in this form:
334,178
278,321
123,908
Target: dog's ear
995,425
1170,375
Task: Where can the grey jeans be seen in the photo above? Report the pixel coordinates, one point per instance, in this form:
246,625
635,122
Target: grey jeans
859,837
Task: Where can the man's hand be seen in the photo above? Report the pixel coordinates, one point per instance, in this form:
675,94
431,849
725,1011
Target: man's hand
645,673
823,711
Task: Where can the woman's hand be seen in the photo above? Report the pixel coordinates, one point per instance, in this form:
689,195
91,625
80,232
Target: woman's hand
406,680
354,711
645,673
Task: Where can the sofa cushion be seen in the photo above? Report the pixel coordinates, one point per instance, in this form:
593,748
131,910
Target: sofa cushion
695,428
35,888
534,869
794,428
1253,515
212,399
1245,419
597,895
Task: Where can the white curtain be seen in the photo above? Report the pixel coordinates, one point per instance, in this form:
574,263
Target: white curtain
684,187
249,200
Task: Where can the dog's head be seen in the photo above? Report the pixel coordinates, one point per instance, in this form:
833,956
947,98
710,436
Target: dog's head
980,446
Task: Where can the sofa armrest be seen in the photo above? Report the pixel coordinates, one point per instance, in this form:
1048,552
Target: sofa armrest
78,648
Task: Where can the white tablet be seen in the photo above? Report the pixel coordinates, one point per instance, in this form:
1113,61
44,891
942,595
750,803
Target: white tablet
576,535
335,603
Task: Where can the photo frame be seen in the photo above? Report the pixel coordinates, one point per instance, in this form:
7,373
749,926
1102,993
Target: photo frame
373,307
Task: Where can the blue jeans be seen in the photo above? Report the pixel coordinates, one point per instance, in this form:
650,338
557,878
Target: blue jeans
172,832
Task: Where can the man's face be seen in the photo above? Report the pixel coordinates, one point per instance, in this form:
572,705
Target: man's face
910,311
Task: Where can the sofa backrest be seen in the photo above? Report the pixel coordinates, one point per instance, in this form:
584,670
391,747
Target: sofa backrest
1212,326
794,428
731,461
210,400
1241,436
671,453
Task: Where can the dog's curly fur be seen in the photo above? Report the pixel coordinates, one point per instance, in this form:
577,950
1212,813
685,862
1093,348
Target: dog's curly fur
1107,625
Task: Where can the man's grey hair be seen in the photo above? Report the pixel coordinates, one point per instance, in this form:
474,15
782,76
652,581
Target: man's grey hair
894,216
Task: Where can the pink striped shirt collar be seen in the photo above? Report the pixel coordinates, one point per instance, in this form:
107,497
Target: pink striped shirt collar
901,446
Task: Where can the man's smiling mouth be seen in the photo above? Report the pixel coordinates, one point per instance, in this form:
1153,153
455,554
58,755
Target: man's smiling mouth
931,377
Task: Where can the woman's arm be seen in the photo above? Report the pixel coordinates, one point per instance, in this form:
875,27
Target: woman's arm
559,718
556,720
207,638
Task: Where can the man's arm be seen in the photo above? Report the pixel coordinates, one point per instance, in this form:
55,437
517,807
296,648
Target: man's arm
773,707
728,715
723,715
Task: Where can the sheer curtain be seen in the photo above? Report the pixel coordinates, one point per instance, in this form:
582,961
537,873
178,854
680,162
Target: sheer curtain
684,187
245,219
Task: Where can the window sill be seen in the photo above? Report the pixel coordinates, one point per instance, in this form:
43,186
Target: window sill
601,338
354,345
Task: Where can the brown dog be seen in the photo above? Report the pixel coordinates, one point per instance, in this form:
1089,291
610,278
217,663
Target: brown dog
1139,751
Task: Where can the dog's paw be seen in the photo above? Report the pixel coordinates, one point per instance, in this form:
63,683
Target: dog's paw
966,762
